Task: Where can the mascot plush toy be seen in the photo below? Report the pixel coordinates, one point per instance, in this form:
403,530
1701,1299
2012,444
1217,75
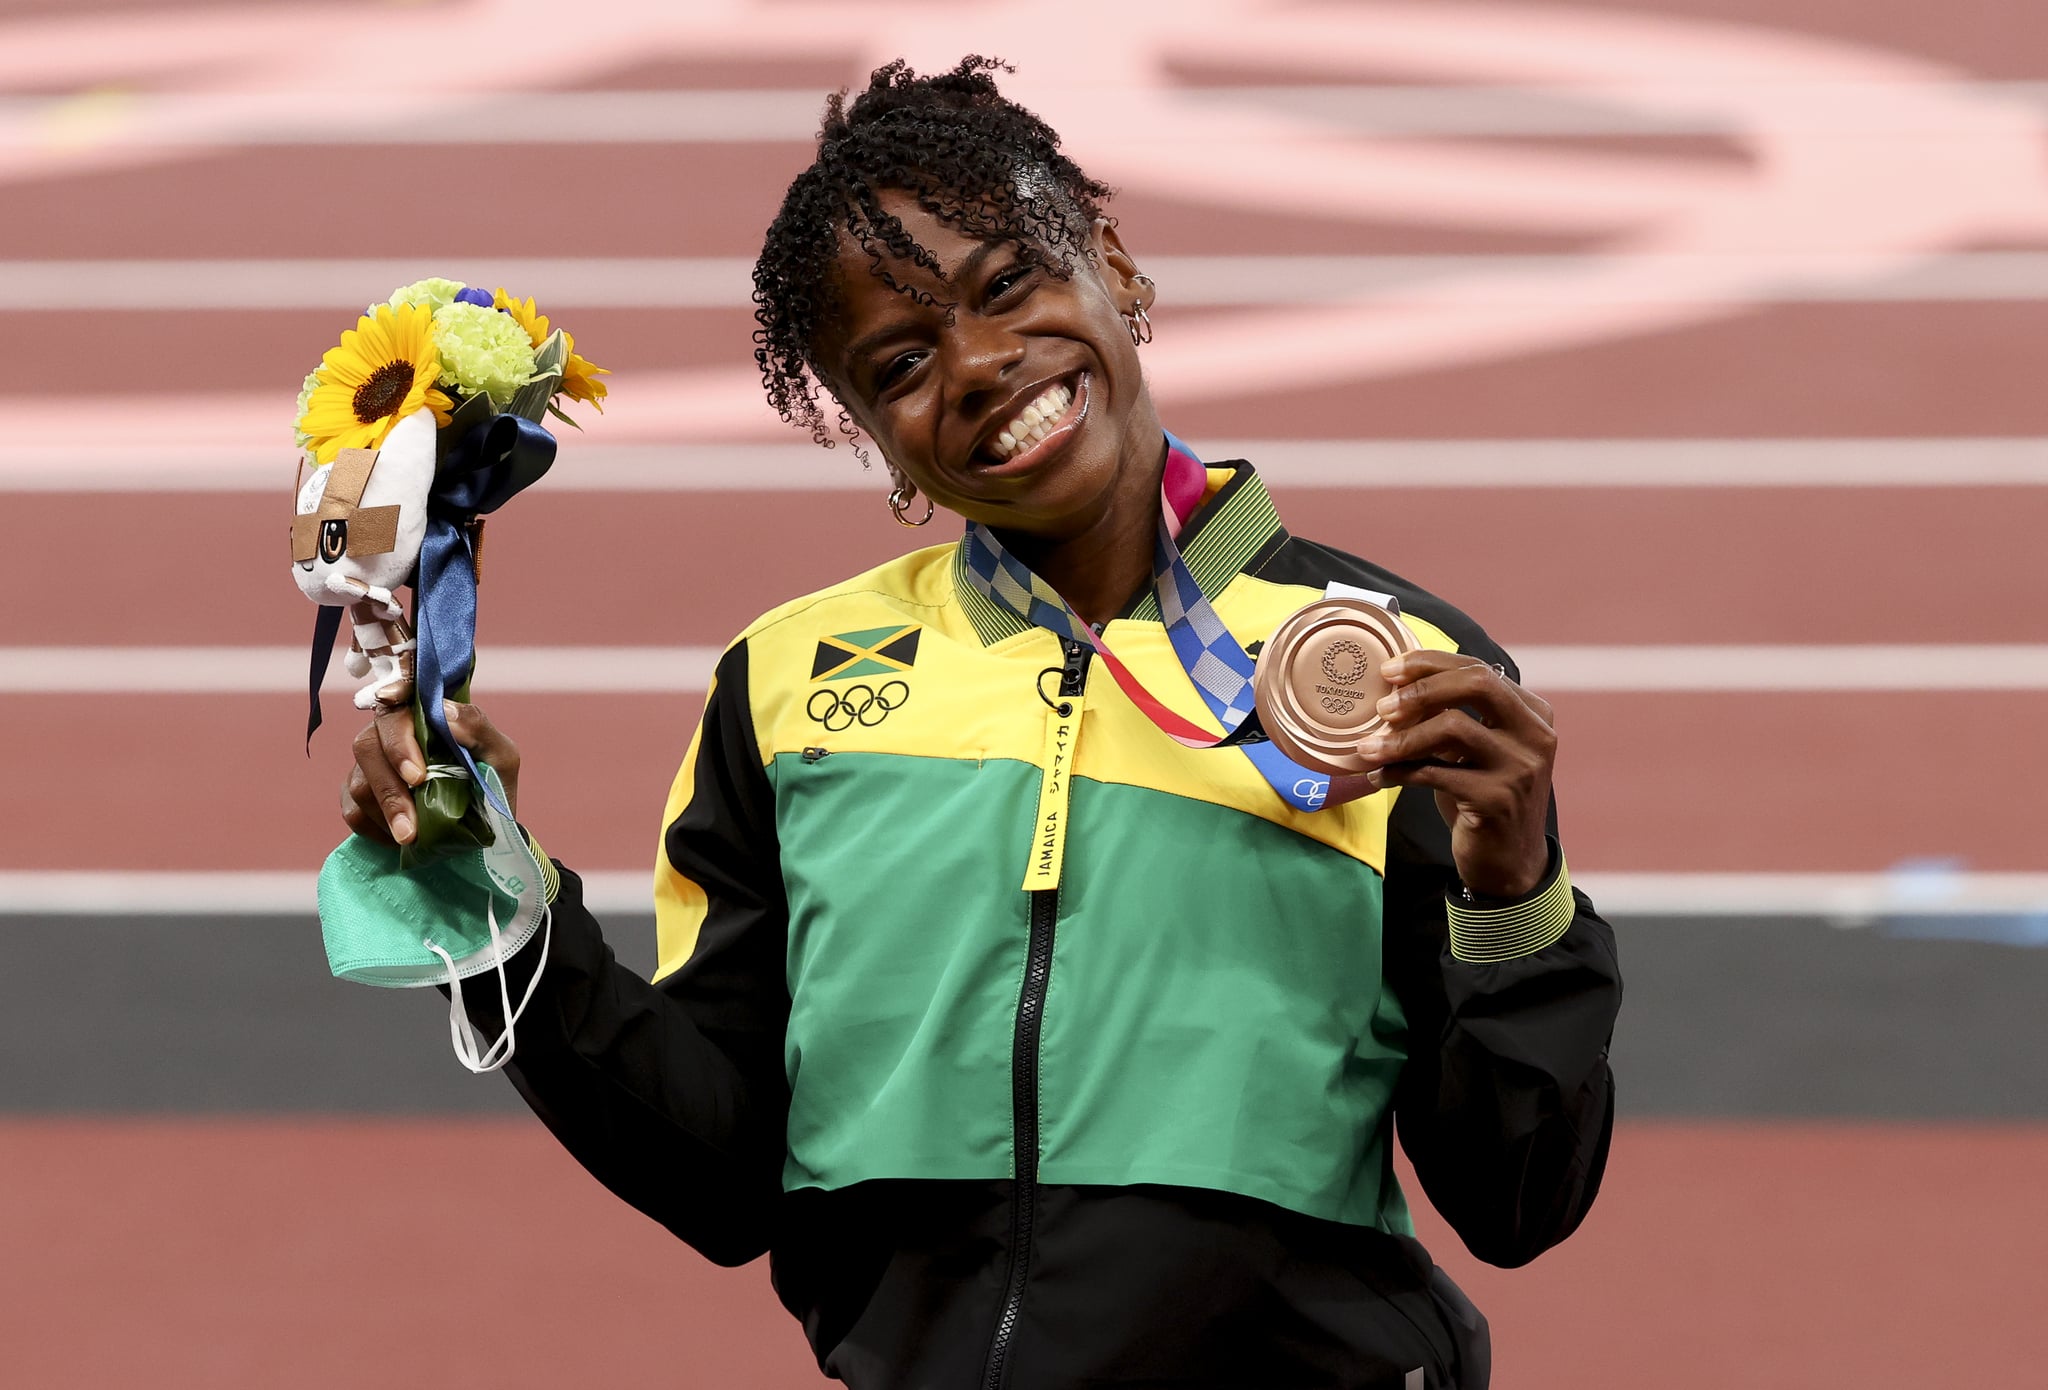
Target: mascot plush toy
356,538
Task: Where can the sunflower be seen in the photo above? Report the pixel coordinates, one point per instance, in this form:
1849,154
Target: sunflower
579,374
524,314
383,371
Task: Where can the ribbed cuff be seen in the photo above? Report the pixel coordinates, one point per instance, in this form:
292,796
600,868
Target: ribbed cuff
1489,935
550,875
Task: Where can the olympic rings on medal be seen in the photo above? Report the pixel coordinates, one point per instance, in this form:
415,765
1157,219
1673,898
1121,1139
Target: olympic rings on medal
840,710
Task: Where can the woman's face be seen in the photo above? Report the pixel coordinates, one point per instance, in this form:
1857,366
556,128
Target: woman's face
1025,409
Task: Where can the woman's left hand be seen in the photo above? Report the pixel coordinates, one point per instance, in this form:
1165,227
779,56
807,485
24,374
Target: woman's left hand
1485,746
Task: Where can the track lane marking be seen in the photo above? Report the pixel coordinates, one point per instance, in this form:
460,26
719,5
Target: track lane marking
622,670
1218,281
1848,109
166,465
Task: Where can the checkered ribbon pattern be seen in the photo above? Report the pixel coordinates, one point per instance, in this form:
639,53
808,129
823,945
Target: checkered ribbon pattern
1215,663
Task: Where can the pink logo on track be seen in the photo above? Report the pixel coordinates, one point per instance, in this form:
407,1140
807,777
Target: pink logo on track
1859,164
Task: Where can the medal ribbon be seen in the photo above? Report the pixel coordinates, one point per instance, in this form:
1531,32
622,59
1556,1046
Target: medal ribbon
1215,663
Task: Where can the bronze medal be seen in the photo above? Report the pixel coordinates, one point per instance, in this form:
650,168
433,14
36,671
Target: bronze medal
1318,683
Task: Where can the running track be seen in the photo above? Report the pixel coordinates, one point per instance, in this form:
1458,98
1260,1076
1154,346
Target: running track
1632,225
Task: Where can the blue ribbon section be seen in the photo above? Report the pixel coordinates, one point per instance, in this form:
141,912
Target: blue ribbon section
1302,788
1216,665
485,469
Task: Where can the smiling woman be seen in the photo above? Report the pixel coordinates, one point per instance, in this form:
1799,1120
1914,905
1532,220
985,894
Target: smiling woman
1044,1036
939,214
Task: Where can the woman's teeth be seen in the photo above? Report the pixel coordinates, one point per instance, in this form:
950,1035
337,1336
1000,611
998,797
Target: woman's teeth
1034,424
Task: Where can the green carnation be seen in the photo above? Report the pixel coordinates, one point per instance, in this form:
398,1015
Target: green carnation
305,394
434,292
483,352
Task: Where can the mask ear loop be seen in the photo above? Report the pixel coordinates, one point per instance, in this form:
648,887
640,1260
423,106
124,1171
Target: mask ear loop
464,1037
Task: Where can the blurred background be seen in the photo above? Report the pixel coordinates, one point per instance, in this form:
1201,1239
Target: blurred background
1694,346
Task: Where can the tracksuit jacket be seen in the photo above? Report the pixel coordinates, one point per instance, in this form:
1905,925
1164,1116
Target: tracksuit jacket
1135,1130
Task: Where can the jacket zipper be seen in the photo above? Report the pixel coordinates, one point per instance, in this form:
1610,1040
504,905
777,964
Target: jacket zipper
1045,911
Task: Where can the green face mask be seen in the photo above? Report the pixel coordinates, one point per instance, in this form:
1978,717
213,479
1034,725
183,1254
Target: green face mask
438,924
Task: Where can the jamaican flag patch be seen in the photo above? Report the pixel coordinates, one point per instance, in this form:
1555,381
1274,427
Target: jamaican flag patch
875,651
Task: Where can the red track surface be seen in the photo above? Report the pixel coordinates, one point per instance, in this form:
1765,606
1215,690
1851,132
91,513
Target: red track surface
1575,565
1883,1258
1891,369
1680,782
226,205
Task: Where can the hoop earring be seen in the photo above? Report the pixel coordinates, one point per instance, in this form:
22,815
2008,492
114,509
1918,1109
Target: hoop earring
899,503
1140,324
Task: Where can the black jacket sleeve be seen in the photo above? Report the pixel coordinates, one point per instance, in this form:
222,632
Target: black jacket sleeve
1506,1105
673,1094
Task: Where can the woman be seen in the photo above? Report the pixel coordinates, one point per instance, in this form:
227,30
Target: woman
1130,1122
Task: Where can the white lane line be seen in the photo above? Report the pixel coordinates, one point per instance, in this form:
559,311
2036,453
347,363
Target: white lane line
644,670
192,285
1784,668
1847,899
791,115
1376,464
158,894
270,670
1524,110
196,286
1712,463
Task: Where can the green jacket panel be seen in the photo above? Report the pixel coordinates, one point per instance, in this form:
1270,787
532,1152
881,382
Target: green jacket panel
1228,1028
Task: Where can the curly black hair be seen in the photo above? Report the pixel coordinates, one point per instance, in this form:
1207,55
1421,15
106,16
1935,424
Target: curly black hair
970,157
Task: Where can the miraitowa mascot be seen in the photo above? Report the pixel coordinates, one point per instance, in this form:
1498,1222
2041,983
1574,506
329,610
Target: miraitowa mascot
425,419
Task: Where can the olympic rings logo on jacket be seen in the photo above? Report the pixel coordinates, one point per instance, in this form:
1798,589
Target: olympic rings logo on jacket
839,710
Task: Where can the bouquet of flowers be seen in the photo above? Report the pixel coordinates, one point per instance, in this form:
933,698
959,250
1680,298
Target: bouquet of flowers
426,417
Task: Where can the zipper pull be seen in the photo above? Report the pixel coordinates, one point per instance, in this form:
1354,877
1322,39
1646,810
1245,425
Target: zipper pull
814,754
1049,831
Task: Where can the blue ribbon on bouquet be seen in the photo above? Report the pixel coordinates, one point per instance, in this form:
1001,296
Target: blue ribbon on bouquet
486,468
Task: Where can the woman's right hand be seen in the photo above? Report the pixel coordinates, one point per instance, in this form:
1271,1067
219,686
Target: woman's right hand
376,800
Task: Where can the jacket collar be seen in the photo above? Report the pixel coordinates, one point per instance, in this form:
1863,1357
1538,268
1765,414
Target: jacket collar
1235,525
